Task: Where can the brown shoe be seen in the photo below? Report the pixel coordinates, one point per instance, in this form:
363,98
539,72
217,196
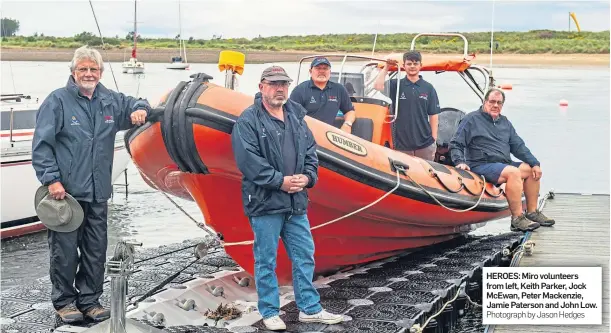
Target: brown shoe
538,217
70,314
97,313
521,223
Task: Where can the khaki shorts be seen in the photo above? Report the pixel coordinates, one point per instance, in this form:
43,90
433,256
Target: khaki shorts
426,153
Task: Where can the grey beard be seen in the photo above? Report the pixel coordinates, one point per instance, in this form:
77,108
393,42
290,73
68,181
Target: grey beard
274,103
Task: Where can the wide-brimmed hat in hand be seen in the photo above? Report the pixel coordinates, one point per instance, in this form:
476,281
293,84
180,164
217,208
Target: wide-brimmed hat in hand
63,215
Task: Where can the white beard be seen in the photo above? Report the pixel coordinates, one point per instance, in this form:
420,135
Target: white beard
89,86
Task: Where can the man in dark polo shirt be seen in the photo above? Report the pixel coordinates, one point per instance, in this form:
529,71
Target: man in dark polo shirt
415,128
323,98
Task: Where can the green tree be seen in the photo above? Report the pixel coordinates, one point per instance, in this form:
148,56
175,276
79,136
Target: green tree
130,36
85,37
8,27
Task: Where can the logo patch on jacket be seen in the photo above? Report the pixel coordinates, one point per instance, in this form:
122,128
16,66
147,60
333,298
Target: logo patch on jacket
312,100
424,96
108,119
332,98
75,122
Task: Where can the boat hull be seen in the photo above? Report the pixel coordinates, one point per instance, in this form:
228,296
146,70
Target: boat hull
19,183
194,161
133,70
177,65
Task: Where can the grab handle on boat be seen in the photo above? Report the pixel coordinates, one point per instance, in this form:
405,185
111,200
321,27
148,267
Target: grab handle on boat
494,195
436,176
396,165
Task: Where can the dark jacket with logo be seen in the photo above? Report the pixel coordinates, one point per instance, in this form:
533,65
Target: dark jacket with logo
74,139
479,140
258,154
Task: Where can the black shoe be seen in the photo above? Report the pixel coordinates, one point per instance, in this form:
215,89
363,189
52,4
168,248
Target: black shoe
538,217
521,223
97,313
70,314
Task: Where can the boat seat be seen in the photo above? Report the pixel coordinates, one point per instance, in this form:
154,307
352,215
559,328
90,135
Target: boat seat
362,127
449,118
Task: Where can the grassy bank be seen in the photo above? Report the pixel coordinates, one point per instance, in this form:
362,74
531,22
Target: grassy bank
532,42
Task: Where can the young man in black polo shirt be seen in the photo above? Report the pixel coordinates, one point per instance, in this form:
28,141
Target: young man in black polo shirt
323,98
415,129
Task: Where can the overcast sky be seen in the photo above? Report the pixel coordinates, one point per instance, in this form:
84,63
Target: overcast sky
250,18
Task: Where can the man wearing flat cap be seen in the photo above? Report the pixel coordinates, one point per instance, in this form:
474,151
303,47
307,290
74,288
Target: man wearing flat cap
323,98
276,153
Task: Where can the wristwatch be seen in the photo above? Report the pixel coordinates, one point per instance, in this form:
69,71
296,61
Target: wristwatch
348,123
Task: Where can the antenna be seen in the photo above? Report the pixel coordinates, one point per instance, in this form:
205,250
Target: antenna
103,44
492,35
375,39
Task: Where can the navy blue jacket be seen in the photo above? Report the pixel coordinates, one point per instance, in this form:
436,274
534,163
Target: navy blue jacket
479,140
258,154
74,139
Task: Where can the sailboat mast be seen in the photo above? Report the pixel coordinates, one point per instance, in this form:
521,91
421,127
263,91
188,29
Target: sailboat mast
135,30
183,49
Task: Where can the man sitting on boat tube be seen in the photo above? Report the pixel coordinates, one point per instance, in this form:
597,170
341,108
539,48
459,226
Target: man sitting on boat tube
276,153
72,153
483,143
415,128
323,98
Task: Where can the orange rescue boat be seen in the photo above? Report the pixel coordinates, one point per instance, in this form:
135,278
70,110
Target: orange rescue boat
370,202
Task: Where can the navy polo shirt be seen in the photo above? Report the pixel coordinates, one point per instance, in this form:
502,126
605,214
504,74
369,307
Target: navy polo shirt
417,101
287,143
322,104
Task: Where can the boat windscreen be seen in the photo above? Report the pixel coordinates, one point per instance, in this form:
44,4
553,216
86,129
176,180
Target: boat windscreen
354,82
22,120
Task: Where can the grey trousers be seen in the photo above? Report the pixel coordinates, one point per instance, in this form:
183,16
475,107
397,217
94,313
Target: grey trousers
426,153
83,249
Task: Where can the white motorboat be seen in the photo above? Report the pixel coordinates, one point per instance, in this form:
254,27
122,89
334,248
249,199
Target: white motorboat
133,66
17,177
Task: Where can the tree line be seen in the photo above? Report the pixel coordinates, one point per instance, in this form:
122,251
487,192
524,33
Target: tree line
535,41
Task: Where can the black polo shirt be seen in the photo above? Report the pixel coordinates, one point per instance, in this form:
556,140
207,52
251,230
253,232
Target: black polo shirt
287,143
417,101
322,104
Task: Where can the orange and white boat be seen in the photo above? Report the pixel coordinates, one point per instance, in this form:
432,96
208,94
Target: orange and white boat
370,201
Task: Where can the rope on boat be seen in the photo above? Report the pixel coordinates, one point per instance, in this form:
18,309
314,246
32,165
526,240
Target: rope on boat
477,305
444,206
398,168
337,219
416,328
363,208
201,225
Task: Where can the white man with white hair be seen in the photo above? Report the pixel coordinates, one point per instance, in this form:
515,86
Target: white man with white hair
72,153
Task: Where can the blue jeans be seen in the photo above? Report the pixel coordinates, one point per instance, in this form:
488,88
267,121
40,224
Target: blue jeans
297,239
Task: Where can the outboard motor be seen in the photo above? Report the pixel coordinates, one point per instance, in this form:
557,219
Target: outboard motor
449,118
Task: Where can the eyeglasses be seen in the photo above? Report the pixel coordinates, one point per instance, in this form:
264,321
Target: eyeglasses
493,102
84,70
277,84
